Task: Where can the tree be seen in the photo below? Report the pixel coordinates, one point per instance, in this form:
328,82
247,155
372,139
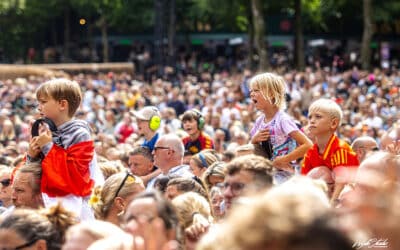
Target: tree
367,35
259,27
299,41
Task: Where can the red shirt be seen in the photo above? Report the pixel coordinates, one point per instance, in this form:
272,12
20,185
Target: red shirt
337,153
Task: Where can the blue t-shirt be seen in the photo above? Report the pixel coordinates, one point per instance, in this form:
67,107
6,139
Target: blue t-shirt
151,143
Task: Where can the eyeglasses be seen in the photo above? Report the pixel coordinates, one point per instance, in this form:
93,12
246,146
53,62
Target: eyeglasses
5,182
160,147
236,187
28,244
128,175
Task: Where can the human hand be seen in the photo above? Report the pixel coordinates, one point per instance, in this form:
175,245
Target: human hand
194,232
151,236
394,147
282,163
260,136
34,148
45,136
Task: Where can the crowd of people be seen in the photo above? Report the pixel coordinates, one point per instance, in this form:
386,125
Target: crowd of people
227,160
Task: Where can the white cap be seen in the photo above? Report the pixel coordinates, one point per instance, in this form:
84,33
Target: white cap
146,113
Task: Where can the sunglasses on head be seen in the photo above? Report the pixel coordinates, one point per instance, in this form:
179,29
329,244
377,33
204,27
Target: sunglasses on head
132,179
5,182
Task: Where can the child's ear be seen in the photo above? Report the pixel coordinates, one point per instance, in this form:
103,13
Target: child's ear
334,123
63,104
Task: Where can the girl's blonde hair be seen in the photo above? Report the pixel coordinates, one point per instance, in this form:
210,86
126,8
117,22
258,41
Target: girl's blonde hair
189,204
272,87
109,168
204,159
215,169
102,198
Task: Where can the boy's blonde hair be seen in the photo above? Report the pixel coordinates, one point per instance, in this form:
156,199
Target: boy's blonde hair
272,87
62,89
327,106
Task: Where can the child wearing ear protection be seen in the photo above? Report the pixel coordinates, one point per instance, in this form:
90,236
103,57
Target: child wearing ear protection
193,123
275,131
148,122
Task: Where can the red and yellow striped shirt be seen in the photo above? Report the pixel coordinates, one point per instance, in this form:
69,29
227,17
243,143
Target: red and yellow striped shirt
336,154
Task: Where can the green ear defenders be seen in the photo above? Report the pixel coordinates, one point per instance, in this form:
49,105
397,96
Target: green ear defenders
155,120
200,119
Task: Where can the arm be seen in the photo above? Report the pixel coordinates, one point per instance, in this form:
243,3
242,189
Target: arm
304,144
150,176
260,136
336,192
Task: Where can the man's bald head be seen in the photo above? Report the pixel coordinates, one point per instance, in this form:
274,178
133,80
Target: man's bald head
364,145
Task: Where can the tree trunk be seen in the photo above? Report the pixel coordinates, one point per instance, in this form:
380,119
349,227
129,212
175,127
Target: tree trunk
104,38
91,43
67,35
250,55
299,41
367,35
171,33
259,27
158,32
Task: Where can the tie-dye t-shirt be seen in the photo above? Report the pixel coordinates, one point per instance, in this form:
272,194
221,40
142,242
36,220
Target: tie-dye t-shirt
279,127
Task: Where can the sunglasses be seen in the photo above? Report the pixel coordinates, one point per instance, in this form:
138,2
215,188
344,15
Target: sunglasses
160,147
5,182
132,179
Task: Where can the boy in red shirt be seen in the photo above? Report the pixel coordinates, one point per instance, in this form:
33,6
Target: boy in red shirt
324,117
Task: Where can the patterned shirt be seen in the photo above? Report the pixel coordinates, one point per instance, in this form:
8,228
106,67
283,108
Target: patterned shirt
337,153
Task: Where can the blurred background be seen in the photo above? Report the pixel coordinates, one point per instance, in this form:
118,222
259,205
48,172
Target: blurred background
153,33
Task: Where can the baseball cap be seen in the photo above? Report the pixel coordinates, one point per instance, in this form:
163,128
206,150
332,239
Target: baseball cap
146,113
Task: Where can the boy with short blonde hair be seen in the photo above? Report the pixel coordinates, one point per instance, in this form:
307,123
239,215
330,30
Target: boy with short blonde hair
69,167
324,118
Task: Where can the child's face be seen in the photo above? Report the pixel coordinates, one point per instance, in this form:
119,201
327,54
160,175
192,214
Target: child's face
48,107
195,168
190,126
259,100
320,122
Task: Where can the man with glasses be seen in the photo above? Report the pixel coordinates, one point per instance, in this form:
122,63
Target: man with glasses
168,157
249,173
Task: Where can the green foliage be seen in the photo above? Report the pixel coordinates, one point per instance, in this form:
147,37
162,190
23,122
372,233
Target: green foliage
25,23
386,11
222,15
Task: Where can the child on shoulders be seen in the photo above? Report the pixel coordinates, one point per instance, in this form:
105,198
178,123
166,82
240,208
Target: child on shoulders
69,166
275,131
